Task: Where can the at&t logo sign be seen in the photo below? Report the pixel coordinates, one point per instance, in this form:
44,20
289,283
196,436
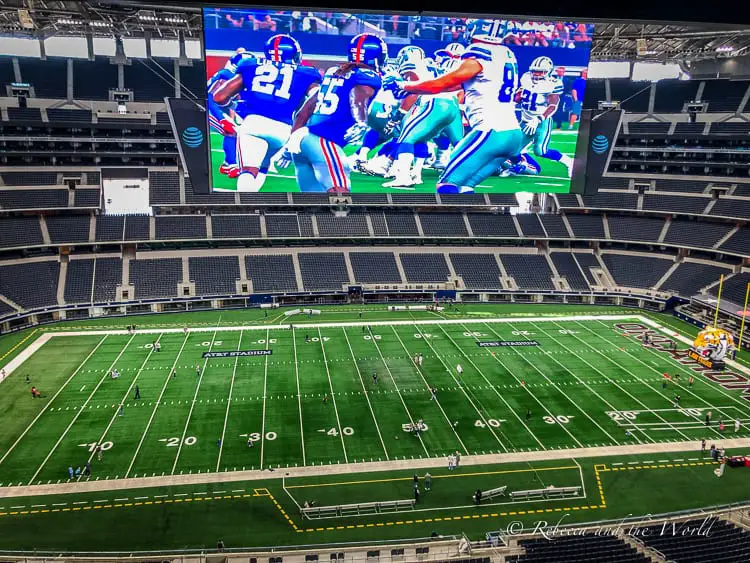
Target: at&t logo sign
600,144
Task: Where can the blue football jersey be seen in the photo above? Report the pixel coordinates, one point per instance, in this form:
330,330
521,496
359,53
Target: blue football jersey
273,90
213,107
332,117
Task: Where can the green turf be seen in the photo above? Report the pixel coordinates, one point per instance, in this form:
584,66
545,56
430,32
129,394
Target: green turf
559,394
553,178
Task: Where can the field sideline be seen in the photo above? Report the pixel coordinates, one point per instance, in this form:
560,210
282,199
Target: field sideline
586,387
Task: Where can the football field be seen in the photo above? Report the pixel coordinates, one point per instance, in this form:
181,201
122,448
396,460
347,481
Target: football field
553,178
344,390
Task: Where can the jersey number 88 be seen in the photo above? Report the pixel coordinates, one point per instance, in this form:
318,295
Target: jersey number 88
510,80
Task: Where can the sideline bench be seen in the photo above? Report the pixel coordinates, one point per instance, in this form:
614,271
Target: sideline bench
492,493
548,492
341,510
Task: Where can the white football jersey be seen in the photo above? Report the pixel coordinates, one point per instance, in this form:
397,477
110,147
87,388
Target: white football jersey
489,94
535,95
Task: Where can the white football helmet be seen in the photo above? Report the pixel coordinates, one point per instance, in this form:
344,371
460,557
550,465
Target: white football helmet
541,68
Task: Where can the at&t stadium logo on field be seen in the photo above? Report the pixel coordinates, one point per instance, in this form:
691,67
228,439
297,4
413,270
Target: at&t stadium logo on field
192,137
600,144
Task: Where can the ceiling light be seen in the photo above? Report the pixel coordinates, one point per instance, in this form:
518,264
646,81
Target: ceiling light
68,21
725,49
99,23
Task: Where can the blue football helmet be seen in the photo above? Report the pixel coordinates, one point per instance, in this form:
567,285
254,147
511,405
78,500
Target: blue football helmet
282,48
488,31
368,49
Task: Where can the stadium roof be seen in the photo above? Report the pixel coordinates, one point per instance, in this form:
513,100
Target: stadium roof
643,40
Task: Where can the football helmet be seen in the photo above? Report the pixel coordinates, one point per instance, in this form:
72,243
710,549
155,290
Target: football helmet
487,31
282,48
541,68
368,49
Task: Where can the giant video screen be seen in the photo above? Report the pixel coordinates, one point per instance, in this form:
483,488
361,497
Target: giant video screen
340,103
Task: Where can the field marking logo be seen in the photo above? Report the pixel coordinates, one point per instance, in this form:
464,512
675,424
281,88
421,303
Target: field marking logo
600,144
192,137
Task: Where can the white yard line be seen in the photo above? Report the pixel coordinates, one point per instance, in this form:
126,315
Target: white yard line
366,394
333,396
531,394
158,402
80,410
398,391
636,399
52,400
580,381
299,397
457,382
192,405
125,396
229,403
494,388
263,419
437,402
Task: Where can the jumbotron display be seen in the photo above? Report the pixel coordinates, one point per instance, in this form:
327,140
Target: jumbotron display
368,103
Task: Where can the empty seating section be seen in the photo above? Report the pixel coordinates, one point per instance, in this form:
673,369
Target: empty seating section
371,199
310,199
353,225
578,548
690,129
648,128
323,271
64,228
107,276
671,95
87,197
180,227
285,225
567,200
29,178
93,79
738,243
568,268
690,277
213,198
155,277
637,94
264,198
443,224
401,224
379,228
531,227
110,228
31,285
614,183
56,115
554,225
531,271
693,205
164,188
504,200
693,233
425,268
742,190
271,272
20,231
489,225
411,199
6,309
235,226
719,541
478,271
49,77
636,270
92,179
33,199
587,226
686,186
214,275
587,261
723,95
21,115
374,267
731,207
305,225
634,228
730,128
6,71
79,280
733,289
143,83
462,199
611,200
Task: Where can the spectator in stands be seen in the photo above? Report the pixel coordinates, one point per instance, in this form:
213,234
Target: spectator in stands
230,22
454,29
578,90
267,23
581,34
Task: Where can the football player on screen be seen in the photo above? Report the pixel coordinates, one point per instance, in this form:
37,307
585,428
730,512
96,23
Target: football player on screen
272,90
336,117
225,120
488,75
538,98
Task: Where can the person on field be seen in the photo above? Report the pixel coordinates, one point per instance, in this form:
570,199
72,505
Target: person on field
137,393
